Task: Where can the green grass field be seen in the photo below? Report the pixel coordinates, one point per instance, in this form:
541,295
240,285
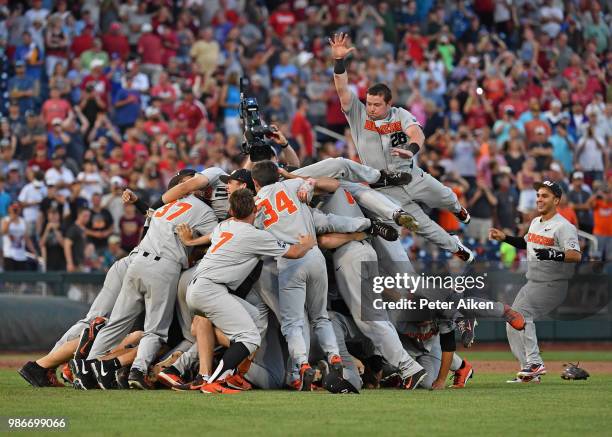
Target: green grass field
488,406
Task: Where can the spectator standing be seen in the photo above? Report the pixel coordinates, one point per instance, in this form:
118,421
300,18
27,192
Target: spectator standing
29,198
58,175
52,242
75,241
56,44
481,202
113,202
151,51
5,199
15,241
506,213
130,226
578,197
114,42
127,106
601,202
34,135
22,88
590,155
100,225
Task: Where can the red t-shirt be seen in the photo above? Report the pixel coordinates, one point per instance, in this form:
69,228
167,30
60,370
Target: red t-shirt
130,150
43,164
150,49
301,126
280,20
165,91
101,84
113,43
192,112
156,127
81,44
130,231
55,108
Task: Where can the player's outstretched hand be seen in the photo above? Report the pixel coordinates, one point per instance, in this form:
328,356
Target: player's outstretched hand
129,196
437,385
308,241
402,153
184,233
339,45
496,234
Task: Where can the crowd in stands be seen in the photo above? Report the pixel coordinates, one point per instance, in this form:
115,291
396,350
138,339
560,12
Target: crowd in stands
101,95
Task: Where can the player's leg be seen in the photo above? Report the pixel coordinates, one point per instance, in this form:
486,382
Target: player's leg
373,323
316,307
340,168
160,286
326,223
183,315
427,189
345,329
268,368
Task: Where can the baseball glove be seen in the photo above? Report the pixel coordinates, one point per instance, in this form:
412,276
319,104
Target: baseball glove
571,371
334,384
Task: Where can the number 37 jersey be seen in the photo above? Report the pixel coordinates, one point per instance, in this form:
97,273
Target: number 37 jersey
280,212
161,239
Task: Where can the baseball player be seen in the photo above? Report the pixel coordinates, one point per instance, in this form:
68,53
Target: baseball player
388,138
551,243
151,283
300,282
236,246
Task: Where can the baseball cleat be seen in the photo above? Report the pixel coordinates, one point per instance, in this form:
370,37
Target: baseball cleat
238,382
137,380
518,380
466,328
304,382
463,252
335,366
170,377
105,374
194,385
67,374
323,369
217,387
462,375
514,318
121,376
463,216
413,381
378,228
392,178
35,375
535,370
87,338
83,376
402,218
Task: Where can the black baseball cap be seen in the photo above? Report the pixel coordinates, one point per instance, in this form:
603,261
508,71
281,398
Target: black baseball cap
552,186
241,175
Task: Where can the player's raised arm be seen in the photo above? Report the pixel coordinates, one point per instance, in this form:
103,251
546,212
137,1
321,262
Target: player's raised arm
340,50
197,182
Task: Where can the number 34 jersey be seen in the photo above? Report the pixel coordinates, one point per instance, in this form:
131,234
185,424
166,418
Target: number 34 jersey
235,249
161,239
280,212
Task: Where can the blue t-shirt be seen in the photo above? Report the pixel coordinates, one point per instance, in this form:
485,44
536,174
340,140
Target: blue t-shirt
24,83
232,98
5,201
562,152
126,115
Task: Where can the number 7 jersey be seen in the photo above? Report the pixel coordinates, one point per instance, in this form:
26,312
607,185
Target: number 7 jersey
161,239
280,212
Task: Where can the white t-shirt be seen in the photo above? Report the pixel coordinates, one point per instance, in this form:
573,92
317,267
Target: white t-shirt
592,157
92,183
29,194
13,242
63,175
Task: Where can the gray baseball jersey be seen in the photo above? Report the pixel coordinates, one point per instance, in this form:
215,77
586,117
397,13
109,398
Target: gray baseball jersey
161,239
217,191
556,233
281,213
375,138
235,250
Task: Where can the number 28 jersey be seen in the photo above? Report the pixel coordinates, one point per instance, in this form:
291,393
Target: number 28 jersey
280,212
161,239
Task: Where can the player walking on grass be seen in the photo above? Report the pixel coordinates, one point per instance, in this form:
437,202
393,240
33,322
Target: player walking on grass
388,138
551,243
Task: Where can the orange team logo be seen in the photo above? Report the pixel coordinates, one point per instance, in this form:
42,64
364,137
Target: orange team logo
539,239
384,129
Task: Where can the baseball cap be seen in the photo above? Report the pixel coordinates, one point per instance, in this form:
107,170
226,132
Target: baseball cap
555,167
116,180
241,175
552,186
540,130
578,175
19,63
96,63
13,166
114,239
56,121
146,28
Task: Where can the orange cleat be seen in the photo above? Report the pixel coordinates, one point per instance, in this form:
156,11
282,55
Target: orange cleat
67,374
462,375
218,387
238,382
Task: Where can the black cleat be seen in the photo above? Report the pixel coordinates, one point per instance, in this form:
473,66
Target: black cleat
121,376
414,381
307,377
463,252
392,178
105,374
383,230
463,216
137,380
335,366
402,218
87,338
35,375
83,375
467,330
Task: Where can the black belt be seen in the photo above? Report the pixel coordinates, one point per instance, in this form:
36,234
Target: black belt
146,254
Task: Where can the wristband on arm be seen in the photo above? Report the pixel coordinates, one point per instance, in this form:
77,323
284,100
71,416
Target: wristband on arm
141,207
339,66
414,148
